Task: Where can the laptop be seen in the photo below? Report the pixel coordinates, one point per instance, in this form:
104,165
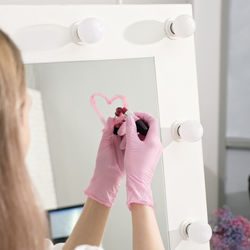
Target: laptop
62,221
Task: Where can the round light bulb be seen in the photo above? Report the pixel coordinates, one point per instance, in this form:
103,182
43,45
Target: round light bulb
199,232
183,26
90,30
190,131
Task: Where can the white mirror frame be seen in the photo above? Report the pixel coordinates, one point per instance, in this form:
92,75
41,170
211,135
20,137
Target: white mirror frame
176,83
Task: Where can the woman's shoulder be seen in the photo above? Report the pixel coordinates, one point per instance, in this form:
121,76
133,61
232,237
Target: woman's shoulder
59,246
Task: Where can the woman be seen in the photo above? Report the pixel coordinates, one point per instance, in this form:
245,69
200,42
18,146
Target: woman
23,224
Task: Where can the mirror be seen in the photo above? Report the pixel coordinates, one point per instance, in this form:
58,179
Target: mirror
65,133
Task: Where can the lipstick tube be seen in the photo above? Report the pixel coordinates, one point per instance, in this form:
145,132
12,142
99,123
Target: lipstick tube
142,126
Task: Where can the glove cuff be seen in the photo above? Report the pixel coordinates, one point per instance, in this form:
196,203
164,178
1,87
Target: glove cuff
102,191
138,193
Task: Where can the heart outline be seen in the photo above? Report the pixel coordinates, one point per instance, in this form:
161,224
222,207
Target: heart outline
109,101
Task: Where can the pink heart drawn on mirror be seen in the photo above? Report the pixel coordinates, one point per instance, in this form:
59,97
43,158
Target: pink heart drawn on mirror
109,101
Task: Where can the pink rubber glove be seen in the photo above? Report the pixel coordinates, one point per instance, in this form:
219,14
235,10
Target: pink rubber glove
140,159
109,169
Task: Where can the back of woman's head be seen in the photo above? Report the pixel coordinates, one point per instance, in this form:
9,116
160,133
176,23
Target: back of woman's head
22,223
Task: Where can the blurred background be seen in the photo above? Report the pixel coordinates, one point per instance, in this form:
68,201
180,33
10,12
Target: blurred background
223,59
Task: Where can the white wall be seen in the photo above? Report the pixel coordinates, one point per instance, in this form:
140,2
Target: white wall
38,158
238,70
90,1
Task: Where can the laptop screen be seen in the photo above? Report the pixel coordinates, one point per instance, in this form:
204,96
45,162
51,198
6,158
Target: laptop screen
63,220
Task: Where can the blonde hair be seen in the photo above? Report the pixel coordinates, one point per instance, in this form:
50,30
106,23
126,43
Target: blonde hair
22,221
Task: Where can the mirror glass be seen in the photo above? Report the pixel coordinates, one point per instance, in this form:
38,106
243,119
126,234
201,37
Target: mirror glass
65,133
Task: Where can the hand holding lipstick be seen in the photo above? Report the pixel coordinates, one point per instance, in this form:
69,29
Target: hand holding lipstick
120,128
140,159
109,168
128,153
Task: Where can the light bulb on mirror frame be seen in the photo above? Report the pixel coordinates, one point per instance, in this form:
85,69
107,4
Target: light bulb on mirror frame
198,231
181,27
189,131
90,30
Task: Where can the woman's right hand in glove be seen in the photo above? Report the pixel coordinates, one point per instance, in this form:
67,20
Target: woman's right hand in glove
140,159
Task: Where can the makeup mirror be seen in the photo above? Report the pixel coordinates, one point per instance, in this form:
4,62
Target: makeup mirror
156,71
60,95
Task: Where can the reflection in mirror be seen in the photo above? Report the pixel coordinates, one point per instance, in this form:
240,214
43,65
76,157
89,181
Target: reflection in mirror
65,133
